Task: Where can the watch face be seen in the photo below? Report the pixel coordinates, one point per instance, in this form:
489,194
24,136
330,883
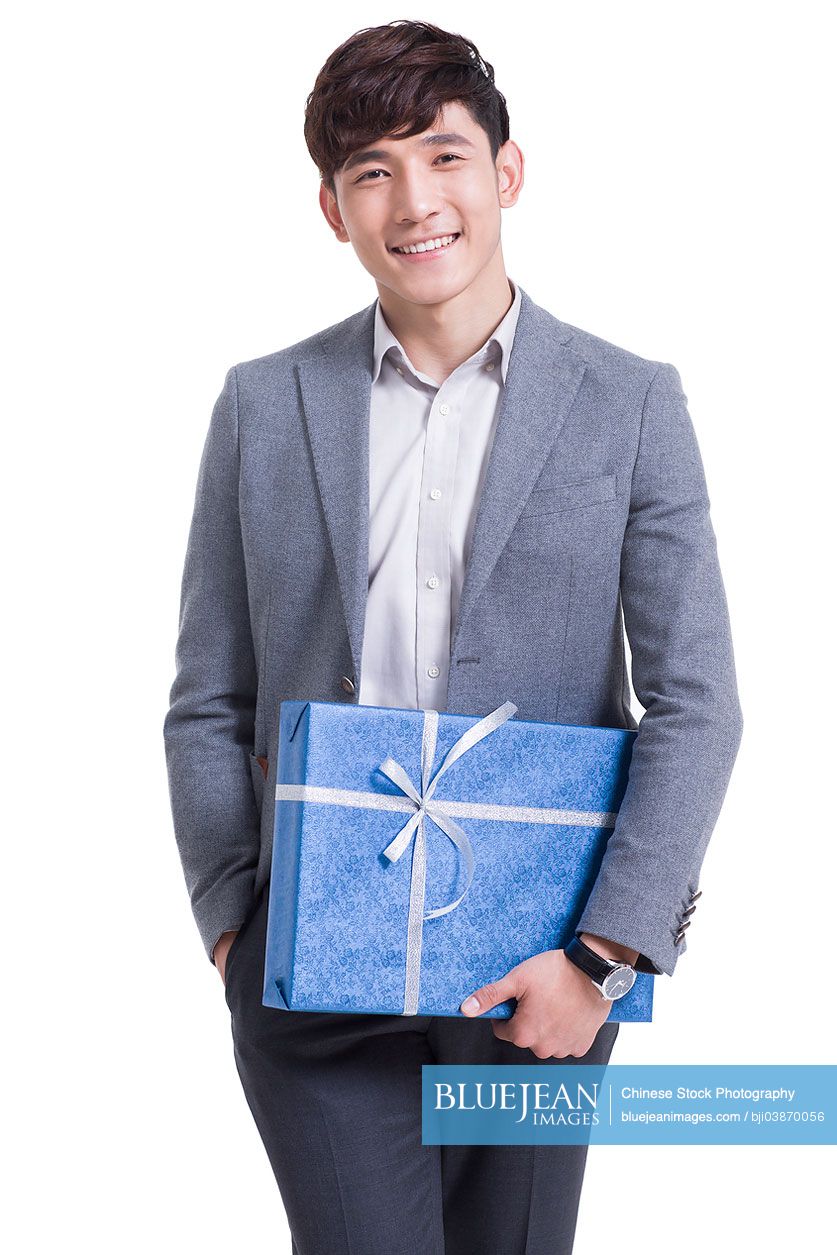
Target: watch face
618,982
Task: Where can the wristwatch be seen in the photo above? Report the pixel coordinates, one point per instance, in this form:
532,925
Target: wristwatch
613,980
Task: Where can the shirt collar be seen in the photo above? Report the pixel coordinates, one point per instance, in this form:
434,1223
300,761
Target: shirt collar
503,336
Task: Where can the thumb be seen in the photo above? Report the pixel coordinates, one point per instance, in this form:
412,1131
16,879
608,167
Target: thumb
492,994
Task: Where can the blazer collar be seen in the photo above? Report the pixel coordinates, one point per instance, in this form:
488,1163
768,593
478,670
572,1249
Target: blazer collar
543,378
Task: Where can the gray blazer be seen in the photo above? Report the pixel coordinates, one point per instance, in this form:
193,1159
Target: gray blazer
594,511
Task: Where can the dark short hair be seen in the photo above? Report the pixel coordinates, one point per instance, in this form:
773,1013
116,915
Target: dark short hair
392,78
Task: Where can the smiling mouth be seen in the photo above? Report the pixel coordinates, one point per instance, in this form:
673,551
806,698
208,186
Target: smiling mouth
421,250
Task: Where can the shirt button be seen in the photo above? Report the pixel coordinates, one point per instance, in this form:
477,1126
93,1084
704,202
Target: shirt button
435,493
433,671
400,371
433,581
490,366
444,409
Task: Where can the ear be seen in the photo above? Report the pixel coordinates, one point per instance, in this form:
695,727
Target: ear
509,173
331,212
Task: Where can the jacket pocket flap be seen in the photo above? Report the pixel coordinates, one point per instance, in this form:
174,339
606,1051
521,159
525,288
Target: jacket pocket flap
570,496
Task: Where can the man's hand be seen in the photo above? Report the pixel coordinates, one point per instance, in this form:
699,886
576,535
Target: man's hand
559,1009
221,950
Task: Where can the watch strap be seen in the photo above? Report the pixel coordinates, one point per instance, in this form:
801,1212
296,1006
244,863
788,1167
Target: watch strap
594,965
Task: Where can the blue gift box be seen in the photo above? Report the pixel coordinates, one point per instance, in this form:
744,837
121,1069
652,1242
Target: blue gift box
418,855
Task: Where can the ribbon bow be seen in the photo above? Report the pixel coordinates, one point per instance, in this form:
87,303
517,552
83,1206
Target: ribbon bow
426,808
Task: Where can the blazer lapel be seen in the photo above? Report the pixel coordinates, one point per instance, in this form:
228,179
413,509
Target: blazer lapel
336,386
541,384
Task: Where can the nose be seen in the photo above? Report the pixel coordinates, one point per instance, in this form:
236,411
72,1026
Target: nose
418,201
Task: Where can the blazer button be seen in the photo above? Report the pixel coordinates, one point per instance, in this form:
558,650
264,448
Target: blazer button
694,896
688,912
681,933
347,684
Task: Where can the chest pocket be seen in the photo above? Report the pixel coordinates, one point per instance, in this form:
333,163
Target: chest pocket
576,518
570,496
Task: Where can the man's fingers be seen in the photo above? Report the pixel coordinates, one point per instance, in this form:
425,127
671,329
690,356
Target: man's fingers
491,995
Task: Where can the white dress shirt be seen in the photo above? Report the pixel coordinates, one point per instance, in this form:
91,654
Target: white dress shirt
429,446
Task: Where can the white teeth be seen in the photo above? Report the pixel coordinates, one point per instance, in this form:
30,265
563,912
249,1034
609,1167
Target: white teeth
441,242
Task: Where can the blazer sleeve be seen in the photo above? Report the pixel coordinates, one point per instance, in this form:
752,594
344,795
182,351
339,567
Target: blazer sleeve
683,673
209,730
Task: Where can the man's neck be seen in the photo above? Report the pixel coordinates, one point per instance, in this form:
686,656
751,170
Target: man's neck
438,338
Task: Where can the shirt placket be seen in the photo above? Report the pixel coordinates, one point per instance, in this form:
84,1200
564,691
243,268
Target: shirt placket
433,566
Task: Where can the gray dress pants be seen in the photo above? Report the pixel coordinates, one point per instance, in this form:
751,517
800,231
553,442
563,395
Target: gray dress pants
336,1099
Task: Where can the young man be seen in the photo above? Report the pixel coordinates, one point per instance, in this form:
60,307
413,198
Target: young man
447,500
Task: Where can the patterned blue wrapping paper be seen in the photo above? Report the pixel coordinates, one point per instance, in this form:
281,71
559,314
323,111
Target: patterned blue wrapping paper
338,908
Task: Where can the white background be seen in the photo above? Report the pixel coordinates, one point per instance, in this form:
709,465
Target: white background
162,224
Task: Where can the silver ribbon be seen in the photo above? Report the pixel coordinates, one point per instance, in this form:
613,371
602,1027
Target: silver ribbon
421,806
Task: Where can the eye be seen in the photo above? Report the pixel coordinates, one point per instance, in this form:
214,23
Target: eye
379,171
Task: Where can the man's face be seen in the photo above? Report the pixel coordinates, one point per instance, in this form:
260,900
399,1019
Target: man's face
431,186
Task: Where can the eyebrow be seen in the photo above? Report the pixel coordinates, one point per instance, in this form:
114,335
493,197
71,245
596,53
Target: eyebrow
429,141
